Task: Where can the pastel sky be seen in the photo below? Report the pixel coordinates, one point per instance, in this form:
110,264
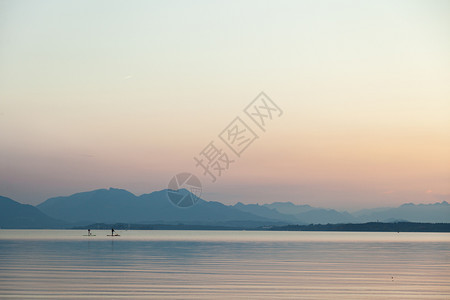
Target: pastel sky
98,94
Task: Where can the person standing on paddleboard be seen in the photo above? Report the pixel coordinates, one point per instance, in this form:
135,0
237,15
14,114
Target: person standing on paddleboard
89,232
112,231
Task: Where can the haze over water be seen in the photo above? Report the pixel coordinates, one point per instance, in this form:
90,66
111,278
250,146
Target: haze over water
64,264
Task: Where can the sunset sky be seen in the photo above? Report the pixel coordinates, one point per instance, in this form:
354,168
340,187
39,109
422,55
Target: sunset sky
99,94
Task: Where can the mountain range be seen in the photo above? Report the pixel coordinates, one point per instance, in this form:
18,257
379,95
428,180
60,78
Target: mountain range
23,216
120,206
117,205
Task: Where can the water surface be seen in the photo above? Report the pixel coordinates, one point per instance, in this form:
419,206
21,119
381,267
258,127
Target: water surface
64,264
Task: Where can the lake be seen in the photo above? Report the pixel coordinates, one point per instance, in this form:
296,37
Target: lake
64,264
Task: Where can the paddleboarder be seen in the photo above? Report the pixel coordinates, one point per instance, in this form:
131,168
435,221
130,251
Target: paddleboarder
89,232
112,231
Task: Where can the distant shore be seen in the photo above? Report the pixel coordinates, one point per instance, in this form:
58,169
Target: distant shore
369,227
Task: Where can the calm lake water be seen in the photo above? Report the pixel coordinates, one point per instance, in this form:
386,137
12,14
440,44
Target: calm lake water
64,264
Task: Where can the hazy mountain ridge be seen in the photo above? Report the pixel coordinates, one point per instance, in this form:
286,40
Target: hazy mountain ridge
435,212
120,206
15,215
289,207
264,211
307,214
115,205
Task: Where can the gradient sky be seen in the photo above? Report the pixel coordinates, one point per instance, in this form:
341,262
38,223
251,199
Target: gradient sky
98,94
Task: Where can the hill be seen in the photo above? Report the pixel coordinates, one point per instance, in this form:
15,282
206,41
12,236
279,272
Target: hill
111,206
16,215
435,213
307,214
116,205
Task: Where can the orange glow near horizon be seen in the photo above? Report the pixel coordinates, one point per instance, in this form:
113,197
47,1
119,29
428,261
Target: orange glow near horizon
129,101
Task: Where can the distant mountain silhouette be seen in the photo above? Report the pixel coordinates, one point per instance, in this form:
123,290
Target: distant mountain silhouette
409,212
435,213
99,205
266,212
289,208
116,205
110,206
325,216
16,215
368,211
307,214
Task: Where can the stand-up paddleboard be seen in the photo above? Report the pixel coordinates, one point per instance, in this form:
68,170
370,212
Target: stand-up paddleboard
113,235
89,235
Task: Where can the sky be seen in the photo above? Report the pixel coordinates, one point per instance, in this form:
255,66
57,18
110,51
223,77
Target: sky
99,94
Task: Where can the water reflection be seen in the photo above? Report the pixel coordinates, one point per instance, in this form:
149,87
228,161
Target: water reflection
223,268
